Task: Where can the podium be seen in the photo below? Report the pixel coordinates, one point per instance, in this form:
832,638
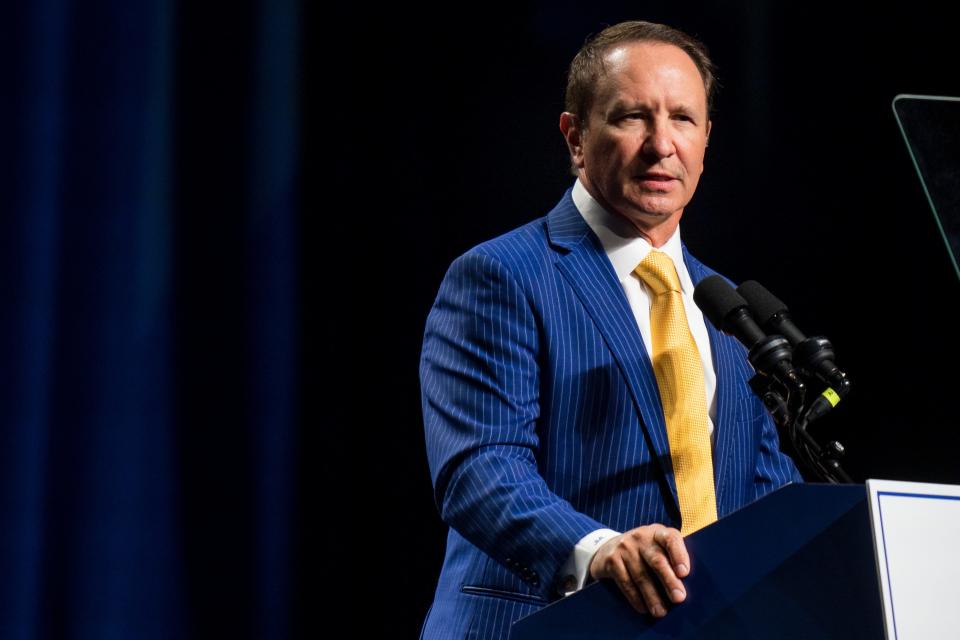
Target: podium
797,564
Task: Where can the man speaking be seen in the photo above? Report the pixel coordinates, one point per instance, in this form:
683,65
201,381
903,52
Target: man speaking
580,415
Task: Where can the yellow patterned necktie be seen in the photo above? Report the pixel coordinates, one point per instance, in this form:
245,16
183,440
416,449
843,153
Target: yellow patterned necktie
679,371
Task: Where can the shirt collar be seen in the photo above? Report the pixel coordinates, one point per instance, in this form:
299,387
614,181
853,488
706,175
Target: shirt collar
622,243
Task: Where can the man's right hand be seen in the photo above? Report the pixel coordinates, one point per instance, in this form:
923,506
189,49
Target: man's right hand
645,562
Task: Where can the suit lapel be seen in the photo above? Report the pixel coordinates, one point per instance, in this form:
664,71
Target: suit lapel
585,266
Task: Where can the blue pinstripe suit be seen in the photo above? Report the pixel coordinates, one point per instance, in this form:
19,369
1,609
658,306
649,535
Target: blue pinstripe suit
543,420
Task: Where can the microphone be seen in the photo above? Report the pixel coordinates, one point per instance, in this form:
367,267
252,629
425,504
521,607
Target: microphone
814,355
729,312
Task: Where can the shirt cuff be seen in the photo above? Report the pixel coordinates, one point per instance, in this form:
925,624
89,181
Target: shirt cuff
576,570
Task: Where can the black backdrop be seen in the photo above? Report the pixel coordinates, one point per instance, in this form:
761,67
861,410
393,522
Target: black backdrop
448,136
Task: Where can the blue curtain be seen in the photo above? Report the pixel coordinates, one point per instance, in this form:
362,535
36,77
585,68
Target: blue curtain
148,327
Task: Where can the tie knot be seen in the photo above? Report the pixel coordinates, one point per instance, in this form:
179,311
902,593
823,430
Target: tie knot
658,272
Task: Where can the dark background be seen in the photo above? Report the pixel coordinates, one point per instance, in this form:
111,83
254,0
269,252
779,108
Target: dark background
226,225
450,137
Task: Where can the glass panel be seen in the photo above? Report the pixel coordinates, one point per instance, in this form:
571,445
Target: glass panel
931,129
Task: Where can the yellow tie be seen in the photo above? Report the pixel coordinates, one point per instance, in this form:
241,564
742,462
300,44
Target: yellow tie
679,371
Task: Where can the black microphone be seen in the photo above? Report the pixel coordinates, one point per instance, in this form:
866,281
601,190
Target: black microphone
814,355
729,312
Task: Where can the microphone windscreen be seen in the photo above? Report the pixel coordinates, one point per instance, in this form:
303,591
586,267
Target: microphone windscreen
763,304
717,299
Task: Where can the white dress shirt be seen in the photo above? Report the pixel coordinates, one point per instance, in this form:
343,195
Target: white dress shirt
625,248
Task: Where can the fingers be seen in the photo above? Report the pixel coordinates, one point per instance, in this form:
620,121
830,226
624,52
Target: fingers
662,562
628,586
672,542
611,562
647,585
646,563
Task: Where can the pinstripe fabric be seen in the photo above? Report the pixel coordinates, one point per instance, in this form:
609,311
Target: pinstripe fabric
543,420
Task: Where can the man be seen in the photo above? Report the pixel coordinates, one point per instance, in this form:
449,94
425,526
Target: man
571,389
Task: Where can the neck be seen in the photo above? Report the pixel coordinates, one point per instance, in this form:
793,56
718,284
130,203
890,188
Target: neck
659,234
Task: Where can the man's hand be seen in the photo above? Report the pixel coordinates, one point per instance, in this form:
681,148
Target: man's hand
645,562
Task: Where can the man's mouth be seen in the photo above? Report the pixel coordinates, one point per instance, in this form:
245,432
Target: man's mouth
656,180
656,175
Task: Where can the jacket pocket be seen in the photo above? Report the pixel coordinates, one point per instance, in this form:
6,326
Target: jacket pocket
525,598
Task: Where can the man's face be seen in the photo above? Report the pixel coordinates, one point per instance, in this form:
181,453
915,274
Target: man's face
641,151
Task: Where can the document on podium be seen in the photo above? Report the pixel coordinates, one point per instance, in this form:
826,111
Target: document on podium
916,538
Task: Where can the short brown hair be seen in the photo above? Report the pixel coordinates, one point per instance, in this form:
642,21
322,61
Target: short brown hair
588,65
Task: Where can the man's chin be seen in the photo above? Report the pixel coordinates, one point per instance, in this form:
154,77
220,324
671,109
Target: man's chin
652,212
645,209
646,217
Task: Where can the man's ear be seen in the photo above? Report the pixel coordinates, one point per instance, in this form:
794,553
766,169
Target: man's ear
709,129
573,134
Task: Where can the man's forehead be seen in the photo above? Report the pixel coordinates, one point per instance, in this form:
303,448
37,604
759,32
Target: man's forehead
617,56
628,56
623,62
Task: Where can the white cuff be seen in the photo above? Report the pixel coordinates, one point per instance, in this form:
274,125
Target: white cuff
574,572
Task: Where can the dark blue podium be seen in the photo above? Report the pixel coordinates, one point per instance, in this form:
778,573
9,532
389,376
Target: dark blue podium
798,563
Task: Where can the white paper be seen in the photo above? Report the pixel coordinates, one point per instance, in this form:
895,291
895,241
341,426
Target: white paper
916,533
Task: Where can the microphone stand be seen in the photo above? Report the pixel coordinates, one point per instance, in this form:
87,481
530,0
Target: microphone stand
824,460
786,406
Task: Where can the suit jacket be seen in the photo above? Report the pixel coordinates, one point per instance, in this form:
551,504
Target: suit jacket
543,420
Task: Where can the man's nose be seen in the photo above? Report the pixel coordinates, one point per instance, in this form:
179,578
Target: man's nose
659,141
